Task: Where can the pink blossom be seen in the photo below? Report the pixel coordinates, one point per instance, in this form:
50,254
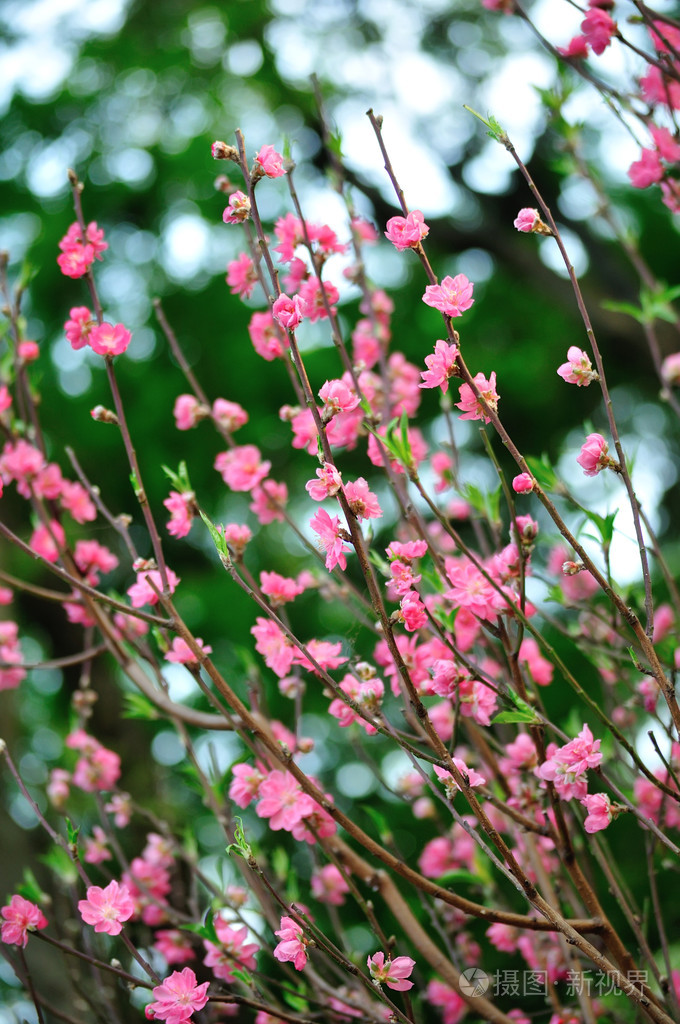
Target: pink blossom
20,917
440,366
237,536
58,790
279,589
647,170
665,37
282,801
289,312
245,784
329,885
658,87
46,540
392,973
237,209
275,648
578,369
594,458
76,500
328,530
288,230
598,28
181,654
566,766
471,590
141,592
5,399
452,1005
293,945
109,339
78,253
412,611
666,144
368,693
328,483
474,778
241,467
523,483
362,501
77,261
503,937
526,219
338,396
107,908
178,997
540,668
476,701
188,411
270,161
228,415
297,274
599,810
452,297
78,327
174,946
120,806
269,502
149,883
318,298
180,507
576,49
407,232
97,770
232,952
96,847
242,276
471,406
49,482
364,231
325,653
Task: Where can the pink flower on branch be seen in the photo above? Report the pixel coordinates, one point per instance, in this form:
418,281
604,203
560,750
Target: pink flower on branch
282,801
293,945
526,219
578,369
331,539
328,483
141,592
407,232
594,458
362,501
270,161
178,997
109,339
181,654
77,328
471,406
646,171
523,483
393,973
289,312
20,917
598,28
107,908
440,366
238,209
598,806
337,396
452,297
241,467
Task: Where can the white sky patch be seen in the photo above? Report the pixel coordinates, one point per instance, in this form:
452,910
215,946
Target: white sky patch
184,246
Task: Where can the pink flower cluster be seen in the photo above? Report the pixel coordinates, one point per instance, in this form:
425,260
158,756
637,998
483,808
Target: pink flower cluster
393,973
293,945
78,251
232,952
452,297
97,768
566,766
105,339
367,693
281,800
10,654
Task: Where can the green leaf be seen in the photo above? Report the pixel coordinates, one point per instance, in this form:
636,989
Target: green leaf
457,876
280,862
29,888
487,503
504,717
59,862
242,976
206,930
543,472
136,705
218,540
379,820
240,847
179,480
72,833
